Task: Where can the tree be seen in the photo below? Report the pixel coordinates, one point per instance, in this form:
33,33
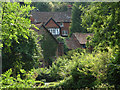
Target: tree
20,48
50,6
59,6
76,18
103,20
42,6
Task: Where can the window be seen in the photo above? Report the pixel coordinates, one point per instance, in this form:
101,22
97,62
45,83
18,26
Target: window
54,31
61,25
65,33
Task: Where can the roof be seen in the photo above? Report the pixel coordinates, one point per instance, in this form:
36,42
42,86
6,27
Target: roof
72,44
77,39
57,16
81,37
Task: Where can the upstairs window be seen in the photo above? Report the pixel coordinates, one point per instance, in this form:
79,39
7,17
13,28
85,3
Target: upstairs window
65,33
54,31
61,25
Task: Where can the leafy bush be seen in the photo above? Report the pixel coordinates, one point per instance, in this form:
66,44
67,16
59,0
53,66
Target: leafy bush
20,47
43,74
81,70
78,69
113,72
8,81
62,40
53,73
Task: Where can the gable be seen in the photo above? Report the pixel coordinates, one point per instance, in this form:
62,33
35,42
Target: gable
51,23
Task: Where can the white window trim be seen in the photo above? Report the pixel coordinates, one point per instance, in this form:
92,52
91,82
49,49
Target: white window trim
54,31
61,25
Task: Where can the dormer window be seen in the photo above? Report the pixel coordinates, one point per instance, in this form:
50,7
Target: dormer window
35,21
61,25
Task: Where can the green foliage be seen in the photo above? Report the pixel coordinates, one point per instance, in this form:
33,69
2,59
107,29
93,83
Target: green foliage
25,54
103,22
59,6
74,52
113,72
53,73
42,6
20,48
8,81
49,46
43,74
81,70
50,6
76,18
62,40
14,22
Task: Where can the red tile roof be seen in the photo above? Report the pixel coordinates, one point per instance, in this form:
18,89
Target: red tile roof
72,44
81,37
77,39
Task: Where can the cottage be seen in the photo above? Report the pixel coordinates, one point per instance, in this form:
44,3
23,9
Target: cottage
78,40
57,22
52,46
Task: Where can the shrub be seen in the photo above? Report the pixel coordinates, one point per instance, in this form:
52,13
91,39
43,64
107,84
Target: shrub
8,81
86,70
62,40
113,72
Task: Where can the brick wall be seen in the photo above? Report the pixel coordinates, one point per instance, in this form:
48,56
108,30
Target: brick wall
65,27
60,49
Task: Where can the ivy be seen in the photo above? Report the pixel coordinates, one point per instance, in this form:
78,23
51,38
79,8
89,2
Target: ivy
49,46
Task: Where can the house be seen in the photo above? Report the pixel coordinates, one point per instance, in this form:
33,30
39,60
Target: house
51,45
53,27
56,22
77,40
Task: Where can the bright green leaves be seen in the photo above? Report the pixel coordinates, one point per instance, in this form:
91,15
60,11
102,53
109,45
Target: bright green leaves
8,81
102,19
19,42
15,22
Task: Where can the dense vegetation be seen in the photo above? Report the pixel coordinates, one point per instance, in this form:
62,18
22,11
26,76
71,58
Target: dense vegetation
51,6
19,44
78,68
76,24
49,46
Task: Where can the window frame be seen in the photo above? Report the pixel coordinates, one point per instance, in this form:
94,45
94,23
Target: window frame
54,31
61,24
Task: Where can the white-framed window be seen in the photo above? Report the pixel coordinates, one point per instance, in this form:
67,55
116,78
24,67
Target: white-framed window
54,31
65,33
35,21
61,25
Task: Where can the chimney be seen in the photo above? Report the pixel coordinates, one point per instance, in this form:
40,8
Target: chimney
69,8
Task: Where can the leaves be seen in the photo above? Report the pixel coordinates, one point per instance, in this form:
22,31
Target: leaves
102,21
14,21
